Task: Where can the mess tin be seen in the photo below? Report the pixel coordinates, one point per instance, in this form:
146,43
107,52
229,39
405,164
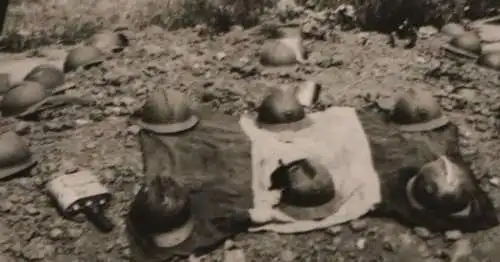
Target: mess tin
81,193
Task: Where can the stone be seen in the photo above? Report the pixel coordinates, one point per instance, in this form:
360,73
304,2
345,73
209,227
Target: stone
453,235
361,243
22,128
56,233
335,230
422,232
358,225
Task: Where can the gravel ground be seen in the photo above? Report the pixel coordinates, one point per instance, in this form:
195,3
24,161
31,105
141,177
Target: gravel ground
353,68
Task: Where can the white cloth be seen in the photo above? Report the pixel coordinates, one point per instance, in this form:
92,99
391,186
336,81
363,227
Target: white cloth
338,140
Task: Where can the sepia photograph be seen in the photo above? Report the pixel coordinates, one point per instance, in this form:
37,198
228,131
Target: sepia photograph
249,131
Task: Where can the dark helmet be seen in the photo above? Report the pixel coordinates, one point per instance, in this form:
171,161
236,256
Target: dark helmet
83,56
441,187
47,75
167,111
418,111
469,42
280,106
491,60
159,207
21,97
308,190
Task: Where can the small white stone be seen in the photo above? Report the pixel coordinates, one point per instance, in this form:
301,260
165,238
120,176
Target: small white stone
361,243
495,181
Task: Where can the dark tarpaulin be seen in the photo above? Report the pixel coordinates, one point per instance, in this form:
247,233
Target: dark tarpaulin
213,162
398,157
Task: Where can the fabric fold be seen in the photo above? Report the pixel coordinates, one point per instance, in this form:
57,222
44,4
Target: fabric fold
213,162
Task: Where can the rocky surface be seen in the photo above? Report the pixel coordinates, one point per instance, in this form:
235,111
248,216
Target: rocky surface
354,69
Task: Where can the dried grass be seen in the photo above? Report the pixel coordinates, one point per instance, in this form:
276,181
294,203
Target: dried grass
32,23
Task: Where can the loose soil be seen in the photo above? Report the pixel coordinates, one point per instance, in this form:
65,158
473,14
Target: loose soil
223,72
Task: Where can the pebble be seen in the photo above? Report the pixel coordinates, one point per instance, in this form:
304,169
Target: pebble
335,230
133,129
82,122
495,181
358,225
14,198
229,244
361,243
53,127
109,176
31,210
220,56
422,232
421,60
453,235
69,167
91,145
6,206
109,247
287,255
56,234
153,50
427,31
22,128
74,233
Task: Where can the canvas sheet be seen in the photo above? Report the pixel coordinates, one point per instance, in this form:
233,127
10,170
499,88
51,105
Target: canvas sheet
336,138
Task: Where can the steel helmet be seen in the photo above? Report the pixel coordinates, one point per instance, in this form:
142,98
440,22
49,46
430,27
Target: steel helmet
22,97
441,187
47,75
418,111
490,60
469,42
308,190
166,111
15,155
280,107
83,56
453,29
